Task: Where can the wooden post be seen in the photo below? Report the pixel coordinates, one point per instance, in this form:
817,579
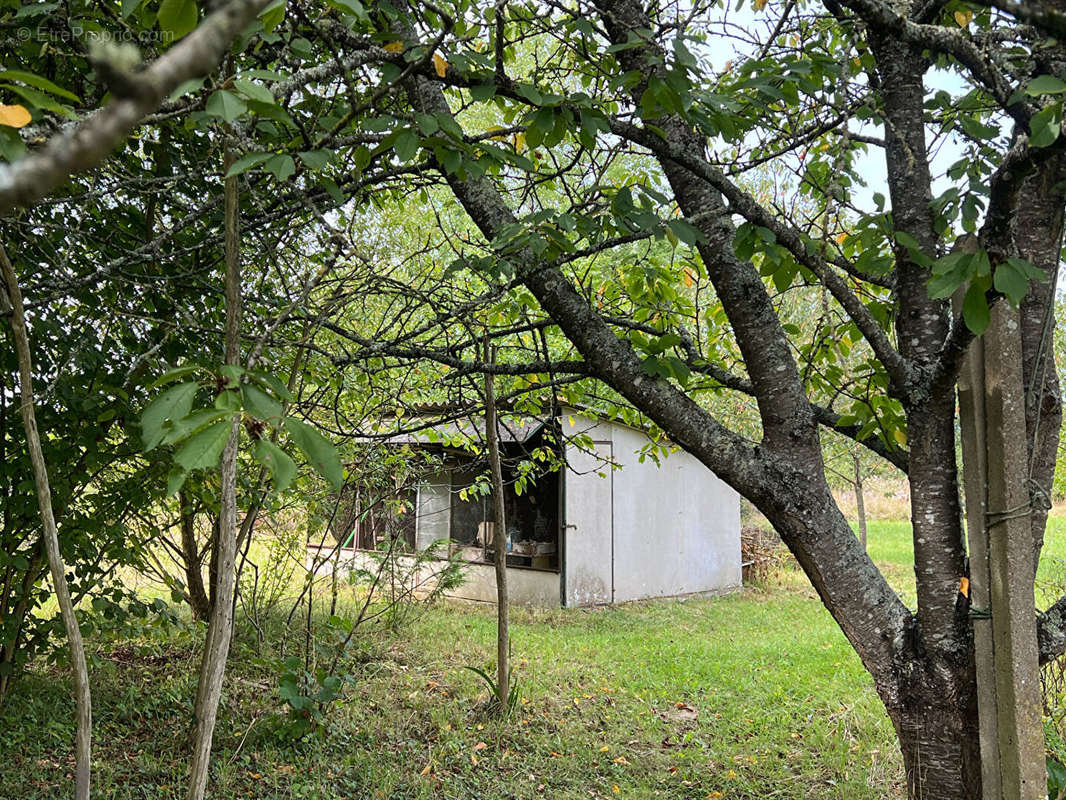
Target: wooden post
860,504
995,460
1010,559
975,482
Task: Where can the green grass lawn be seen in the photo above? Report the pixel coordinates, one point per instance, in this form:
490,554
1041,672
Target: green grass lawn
752,695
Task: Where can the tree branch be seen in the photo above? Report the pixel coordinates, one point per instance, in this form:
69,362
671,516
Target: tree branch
29,179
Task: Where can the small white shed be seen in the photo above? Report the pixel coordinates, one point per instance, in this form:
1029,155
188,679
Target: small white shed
613,526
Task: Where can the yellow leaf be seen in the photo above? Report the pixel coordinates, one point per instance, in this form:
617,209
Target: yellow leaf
621,760
964,586
473,760
760,4
519,142
841,238
480,746
604,749
426,769
615,789
963,17
900,437
14,116
689,280
440,64
394,47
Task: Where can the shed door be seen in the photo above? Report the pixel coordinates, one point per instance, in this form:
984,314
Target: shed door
589,502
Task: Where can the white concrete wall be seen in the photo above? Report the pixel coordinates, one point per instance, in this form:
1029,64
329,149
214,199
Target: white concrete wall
535,588
588,509
644,530
676,525
526,587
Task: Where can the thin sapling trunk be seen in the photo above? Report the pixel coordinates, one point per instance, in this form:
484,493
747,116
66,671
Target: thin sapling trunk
83,737
220,629
499,536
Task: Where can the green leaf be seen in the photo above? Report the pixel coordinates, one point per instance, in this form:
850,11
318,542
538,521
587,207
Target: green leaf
44,84
175,480
975,309
406,145
202,450
185,87
40,100
178,17
232,373
1045,84
282,468
259,404
186,426
1010,281
685,231
1045,126
253,91
247,162
173,404
943,286
281,166
914,249
273,383
173,375
351,7
228,401
12,147
1031,272
977,129
316,159
318,449
225,105
272,15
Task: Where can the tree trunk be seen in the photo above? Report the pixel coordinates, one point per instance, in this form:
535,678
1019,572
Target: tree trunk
220,630
499,537
83,737
940,747
194,581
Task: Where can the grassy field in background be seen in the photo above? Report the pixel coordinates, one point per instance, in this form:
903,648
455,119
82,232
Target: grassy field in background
751,695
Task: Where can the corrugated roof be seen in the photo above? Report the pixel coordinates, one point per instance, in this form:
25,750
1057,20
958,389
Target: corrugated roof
512,431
